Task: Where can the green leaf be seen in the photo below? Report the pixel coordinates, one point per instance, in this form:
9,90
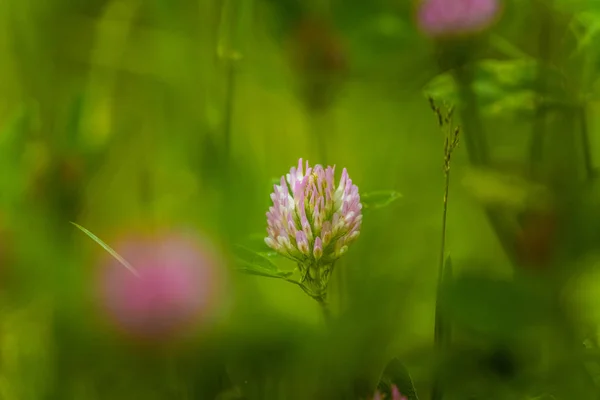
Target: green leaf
492,306
256,243
254,263
395,373
379,199
107,248
231,394
73,122
14,152
503,87
15,133
495,188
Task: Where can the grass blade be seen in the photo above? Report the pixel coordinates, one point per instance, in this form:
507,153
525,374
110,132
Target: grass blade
107,248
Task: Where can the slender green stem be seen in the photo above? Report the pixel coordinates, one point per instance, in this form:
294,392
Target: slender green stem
585,142
225,182
540,122
320,298
439,331
325,308
450,143
438,334
233,30
229,110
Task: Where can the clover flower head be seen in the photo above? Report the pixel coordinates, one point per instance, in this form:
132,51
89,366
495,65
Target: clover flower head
396,395
177,284
312,221
439,18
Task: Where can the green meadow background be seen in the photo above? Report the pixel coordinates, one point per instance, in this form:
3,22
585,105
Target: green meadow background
124,114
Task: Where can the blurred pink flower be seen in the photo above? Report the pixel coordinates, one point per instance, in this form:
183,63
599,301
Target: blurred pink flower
396,395
311,221
440,18
178,284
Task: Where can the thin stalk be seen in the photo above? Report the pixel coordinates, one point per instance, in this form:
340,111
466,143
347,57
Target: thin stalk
225,183
450,143
230,82
233,29
585,143
325,308
444,223
440,330
320,298
540,126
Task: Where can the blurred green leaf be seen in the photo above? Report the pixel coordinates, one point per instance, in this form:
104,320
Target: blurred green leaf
73,122
13,154
285,14
495,188
256,242
211,160
14,134
503,87
395,373
493,306
231,394
16,124
254,263
235,22
379,199
591,23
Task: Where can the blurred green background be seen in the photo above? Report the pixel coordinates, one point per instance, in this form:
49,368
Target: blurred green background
125,114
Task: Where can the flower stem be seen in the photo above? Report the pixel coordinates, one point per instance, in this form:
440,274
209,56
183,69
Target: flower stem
325,308
450,143
444,223
320,296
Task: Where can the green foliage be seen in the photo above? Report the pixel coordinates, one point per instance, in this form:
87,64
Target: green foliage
504,87
132,115
395,373
495,307
504,189
13,147
379,199
254,263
